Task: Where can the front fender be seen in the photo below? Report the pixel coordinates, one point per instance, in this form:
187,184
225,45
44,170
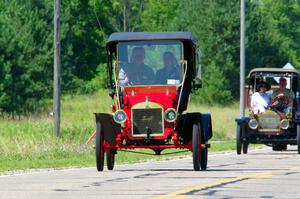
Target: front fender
242,120
110,128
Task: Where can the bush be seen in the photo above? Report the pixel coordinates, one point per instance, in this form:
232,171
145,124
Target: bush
214,89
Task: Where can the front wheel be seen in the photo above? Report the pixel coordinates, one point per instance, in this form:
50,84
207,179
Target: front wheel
238,139
199,154
99,147
298,138
196,148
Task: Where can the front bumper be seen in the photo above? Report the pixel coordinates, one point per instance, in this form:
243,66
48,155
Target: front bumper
270,137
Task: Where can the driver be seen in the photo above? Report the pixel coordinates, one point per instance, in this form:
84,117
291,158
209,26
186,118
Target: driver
282,98
261,100
136,72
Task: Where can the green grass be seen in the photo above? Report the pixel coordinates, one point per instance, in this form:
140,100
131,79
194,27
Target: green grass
29,143
222,119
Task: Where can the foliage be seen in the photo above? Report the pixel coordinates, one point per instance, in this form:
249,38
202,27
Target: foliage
216,25
158,15
272,34
26,43
26,46
25,40
211,92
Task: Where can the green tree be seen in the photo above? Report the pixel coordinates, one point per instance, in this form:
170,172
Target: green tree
24,45
159,15
284,18
216,26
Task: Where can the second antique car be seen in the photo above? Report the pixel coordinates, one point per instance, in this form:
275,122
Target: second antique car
150,77
279,125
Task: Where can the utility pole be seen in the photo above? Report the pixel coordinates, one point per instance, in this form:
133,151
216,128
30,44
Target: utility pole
57,68
242,60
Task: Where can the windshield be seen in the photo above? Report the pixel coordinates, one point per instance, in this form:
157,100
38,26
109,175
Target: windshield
149,63
273,83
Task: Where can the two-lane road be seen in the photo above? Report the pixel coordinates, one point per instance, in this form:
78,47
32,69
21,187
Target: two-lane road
260,174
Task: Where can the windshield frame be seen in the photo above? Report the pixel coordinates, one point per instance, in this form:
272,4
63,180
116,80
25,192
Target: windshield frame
157,43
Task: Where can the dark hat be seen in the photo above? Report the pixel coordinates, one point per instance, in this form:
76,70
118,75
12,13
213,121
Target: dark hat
282,79
265,83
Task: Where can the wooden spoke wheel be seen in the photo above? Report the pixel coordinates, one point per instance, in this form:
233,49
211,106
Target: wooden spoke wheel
99,147
298,138
238,139
245,147
199,154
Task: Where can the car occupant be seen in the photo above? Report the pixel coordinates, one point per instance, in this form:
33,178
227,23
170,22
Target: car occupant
136,72
261,100
169,71
282,98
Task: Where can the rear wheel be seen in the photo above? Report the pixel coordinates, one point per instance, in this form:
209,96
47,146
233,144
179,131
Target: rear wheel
276,147
279,147
203,159
298,138
238,139
99,147
196,148
284,147
245,147
110,159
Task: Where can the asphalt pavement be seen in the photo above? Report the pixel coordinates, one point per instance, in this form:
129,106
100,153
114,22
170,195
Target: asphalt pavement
261,173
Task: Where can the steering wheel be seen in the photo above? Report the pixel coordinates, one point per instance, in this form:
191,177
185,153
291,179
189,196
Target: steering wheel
280,101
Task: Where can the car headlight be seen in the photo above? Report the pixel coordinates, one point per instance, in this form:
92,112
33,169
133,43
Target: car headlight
120,116
284,124
170,115
253,124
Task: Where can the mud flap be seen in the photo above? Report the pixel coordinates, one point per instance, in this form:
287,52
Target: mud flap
110,128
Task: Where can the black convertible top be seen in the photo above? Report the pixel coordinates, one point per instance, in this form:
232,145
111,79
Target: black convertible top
272,71
142,36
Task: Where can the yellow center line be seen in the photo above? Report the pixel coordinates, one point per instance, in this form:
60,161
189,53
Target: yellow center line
180,194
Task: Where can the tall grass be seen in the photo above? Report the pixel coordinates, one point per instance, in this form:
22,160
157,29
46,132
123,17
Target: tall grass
222,119
29,143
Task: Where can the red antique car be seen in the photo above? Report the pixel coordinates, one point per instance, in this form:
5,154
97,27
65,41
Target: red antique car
150,77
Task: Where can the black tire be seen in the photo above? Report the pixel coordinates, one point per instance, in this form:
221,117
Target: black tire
203,159
279,147
238,139
245,147
110,158
196,148
99,147
298,138
284,147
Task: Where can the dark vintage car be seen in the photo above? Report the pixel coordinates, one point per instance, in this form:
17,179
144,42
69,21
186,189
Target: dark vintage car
272,127
150,78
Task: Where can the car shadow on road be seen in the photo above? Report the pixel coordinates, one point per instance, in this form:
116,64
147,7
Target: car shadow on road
210,169
274,153
162,169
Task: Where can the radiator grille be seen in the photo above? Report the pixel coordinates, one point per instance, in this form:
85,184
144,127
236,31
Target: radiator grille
143,119
269,121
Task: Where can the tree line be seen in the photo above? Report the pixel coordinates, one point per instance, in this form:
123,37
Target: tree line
26,42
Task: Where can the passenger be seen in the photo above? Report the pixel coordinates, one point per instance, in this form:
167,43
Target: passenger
261,100
282,98
169,71
136,72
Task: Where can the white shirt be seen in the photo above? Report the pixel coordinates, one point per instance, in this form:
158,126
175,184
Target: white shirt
260,101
